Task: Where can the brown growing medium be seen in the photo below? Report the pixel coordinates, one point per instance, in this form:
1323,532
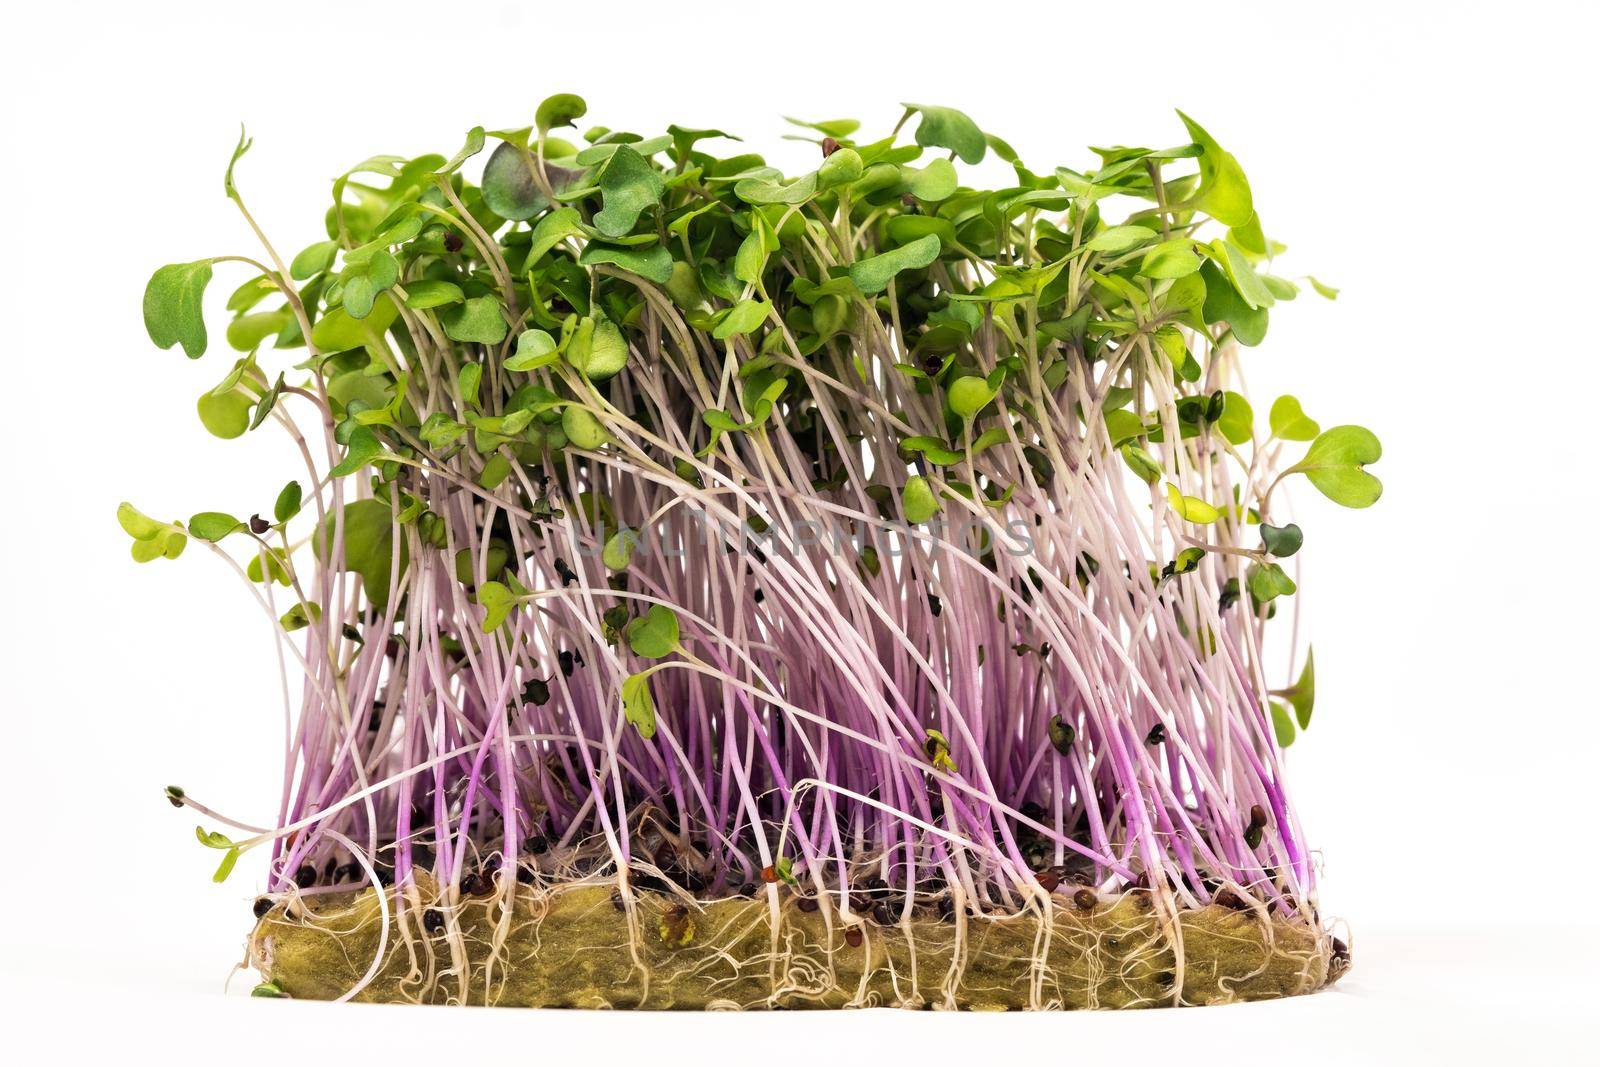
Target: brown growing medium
582,946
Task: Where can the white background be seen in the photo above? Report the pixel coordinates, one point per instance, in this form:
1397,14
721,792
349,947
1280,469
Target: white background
1436,163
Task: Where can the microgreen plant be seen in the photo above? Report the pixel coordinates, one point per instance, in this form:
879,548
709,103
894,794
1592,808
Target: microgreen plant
659,518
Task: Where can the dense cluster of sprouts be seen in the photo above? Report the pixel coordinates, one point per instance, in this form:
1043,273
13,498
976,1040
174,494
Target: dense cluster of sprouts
669,523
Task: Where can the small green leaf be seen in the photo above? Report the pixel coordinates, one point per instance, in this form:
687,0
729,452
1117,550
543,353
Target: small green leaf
473,145
1336,464
1325,291
1141,463
628,185
969,395
227,178
477,321
1289,422
287,505
365,275
598,349
1222,303
872,275
535,349
440,430
362,448
653,263
921,504
1171,259
425,293
313,260
841,168
933,183
945,127
638,705
270,990
1303,694
225,868
1224,192
582,428
226,416
1120,239
172,311
742,318
1237,422
560,109
654,634
468,378
1267,582
1191,508
151,539
213,525
1282,725
496,469
554,228
212,839
1281,541
497,602
618,551
764,191
299,617
1184,562
369,545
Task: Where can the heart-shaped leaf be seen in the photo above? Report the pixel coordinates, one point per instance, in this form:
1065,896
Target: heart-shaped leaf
655,633
1336,464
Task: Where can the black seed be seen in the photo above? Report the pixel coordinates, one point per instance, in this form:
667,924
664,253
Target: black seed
328,869
452,242
829,147
935,605
947,907
1227,898
616,900
565,658
536,692
258,525
1085,899
1048,880
1157,734
852,936
806,903
474,884
433,920
1258,816
260,908
349,872
375,719
536,845
174,796
748,889
883,914
306,876
1165,979
525,875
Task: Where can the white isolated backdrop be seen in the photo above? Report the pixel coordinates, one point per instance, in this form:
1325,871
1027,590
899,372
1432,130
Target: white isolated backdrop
1435,163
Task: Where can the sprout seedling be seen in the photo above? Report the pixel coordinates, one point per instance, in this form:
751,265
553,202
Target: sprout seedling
653,524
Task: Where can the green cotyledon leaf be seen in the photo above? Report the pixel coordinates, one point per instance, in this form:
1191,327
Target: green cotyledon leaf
172,312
